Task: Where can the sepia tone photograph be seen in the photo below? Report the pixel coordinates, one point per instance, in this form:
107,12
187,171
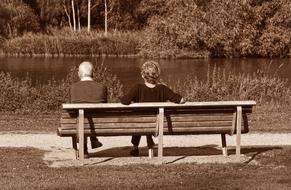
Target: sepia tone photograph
145,94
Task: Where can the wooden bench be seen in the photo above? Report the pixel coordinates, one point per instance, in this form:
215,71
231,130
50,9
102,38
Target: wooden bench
159,119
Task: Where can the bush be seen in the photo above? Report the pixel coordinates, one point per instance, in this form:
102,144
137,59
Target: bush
219,28
65,42
22,96
17,18
221,84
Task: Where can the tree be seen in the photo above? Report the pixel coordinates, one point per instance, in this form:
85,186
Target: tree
74,15
110,4
89,16
16,19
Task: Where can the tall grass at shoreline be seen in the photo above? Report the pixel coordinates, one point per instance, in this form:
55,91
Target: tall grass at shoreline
221,84
67,43
268,90
23,97
271,93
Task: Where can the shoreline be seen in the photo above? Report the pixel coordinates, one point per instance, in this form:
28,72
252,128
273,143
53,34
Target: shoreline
49,55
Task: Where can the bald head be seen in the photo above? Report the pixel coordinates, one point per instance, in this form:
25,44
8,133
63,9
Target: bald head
85,69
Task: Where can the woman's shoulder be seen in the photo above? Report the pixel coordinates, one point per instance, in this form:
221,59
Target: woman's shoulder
161,85
139,85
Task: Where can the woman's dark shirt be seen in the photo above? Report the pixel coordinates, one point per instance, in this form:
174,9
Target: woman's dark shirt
142,93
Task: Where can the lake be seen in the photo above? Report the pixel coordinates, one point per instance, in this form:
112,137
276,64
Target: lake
127,69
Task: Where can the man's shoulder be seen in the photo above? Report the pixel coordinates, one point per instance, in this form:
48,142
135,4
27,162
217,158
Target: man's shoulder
162,86
88,83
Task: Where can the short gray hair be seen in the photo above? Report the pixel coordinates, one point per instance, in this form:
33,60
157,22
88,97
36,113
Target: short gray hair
85,69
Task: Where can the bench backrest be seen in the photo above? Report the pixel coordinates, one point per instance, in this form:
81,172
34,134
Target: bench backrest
112,119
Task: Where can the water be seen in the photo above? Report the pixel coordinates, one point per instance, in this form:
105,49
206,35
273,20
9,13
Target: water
128,69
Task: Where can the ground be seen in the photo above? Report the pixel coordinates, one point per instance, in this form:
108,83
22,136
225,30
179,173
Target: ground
177,149
34,157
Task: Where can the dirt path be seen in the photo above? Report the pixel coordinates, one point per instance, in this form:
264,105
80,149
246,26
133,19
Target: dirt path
177,149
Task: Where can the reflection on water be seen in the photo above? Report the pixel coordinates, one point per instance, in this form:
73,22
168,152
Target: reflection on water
127,69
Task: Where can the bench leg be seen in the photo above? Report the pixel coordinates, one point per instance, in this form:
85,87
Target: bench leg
224,148
74,143
151,152
81,136
161,131
238,130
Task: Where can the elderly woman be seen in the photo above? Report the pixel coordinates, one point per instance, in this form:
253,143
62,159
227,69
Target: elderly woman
150,91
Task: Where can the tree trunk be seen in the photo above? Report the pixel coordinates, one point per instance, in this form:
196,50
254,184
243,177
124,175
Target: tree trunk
74,15
69,18
79,20
9,30
105,17
89,16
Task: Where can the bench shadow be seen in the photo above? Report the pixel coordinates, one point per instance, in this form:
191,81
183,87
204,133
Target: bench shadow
254,151
206,150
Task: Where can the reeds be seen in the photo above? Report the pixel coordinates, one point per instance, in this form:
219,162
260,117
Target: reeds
25,97
221,84
66,43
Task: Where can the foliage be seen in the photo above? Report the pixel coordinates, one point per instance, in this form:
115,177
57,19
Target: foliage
66,42
222,84
23,96
102,75
166,28
16,19
219,28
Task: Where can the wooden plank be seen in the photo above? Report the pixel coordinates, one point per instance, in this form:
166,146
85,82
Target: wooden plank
199,130
152,124
194,117
161,131
151,119
110,132
81,136
113,125
179,114
159,105
148,119
198,124
117,114
238,130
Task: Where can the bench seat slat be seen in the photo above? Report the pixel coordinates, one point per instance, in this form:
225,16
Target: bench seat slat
114,120
102,114
108,132
199,130
148,119
124,113
115,125
129,131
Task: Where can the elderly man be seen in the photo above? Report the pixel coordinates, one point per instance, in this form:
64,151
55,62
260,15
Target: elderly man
88,91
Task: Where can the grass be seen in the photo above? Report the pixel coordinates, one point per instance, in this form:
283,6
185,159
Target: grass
39,110
67,43
271,93
22,96
269,169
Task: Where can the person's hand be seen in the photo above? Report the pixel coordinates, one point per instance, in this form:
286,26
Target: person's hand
182,101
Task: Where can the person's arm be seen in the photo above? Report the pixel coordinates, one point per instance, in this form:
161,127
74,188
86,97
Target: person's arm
130,96
182,101
172,96
105,94
71,91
